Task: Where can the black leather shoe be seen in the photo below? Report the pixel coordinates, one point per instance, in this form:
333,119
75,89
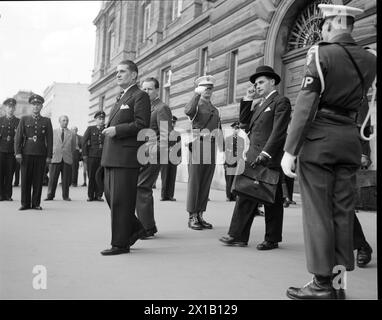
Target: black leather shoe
48,199
203,222
164,199
267,245
114,251
286,203
98,199
90,199
194,224
171,199
36,208
150,233
312,290
230,241
24,208
67,199
137,235
364,255
83,185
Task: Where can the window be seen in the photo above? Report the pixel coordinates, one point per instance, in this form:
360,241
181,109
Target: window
177,6
166,84
101,103
203,62
146,21
110,41
232,77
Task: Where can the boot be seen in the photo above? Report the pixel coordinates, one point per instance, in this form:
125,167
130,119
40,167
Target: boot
319,288
193,222
203,222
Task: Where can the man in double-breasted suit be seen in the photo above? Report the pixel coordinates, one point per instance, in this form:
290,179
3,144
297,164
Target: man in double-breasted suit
129,115
267,126
62,159
160,123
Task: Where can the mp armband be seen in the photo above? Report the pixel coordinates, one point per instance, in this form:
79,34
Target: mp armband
311,84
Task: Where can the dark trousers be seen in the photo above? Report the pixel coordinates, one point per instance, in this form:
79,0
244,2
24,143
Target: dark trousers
66,176
245,211
145,201
32,174
120,193
359,239
288,185
228,185
7,167
168,177
17,174
92,165
75,165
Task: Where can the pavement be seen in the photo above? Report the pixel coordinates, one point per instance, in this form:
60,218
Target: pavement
178,263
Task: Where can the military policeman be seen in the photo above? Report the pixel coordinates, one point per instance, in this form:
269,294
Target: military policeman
8,126
205,119
92,145
323,135
33,149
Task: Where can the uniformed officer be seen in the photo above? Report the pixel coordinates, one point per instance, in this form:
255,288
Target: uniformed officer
205,119
8,126
92,145
33,148
324,135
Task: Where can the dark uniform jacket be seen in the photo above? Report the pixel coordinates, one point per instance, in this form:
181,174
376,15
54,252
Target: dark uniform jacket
129,115
34,136
339,92
92,142
267,126
8,127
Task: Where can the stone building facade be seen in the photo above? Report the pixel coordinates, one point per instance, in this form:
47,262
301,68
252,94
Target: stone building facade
178,40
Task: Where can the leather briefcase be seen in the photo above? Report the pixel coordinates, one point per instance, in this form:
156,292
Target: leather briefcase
258,183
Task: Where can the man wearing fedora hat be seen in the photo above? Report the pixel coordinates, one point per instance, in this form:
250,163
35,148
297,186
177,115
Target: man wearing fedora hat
324,137
266,125
8,126
33,149
92,145
205,119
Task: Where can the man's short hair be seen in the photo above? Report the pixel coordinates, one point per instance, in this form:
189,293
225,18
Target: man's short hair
130,64
348,21
154,80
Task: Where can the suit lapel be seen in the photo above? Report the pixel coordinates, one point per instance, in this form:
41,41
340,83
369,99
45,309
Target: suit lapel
119,103
259,110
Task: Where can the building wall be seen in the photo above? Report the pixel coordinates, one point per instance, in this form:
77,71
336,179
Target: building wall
258,31
71,99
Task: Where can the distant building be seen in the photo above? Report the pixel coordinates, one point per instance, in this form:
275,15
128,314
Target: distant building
22,106
176,41
71,99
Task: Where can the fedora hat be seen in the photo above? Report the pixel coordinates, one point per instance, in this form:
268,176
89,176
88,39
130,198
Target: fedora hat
265,71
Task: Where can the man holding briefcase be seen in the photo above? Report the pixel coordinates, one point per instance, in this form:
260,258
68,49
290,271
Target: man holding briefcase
267,126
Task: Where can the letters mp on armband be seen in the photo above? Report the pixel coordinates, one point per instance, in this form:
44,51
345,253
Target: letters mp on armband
311,84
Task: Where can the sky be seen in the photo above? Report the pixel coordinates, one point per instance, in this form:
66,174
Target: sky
42,42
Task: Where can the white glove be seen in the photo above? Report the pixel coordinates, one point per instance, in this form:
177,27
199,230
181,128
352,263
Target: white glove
200,89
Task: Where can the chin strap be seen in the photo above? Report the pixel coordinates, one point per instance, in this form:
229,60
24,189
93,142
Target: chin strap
372,105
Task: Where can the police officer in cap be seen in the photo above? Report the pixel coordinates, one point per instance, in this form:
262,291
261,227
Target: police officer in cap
323,135
33,148
8,126
92,145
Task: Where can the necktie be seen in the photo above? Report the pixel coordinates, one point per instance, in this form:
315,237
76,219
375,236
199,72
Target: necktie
120,95
62,135
261,101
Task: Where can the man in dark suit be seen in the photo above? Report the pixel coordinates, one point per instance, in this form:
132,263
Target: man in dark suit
168,171
129,115
33,149
92,145
160,123
62,160
324,135
267,124
8,126
77,155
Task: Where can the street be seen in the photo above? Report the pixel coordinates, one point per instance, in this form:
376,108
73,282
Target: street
178,263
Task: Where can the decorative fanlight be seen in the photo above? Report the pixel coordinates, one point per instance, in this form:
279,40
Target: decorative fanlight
306,31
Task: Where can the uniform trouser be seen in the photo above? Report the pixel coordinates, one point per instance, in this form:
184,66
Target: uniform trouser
228,184
75,165
32,174
7,168
246,209
168,177
17,174
92,165
66,176
120,193
145,200
327,166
